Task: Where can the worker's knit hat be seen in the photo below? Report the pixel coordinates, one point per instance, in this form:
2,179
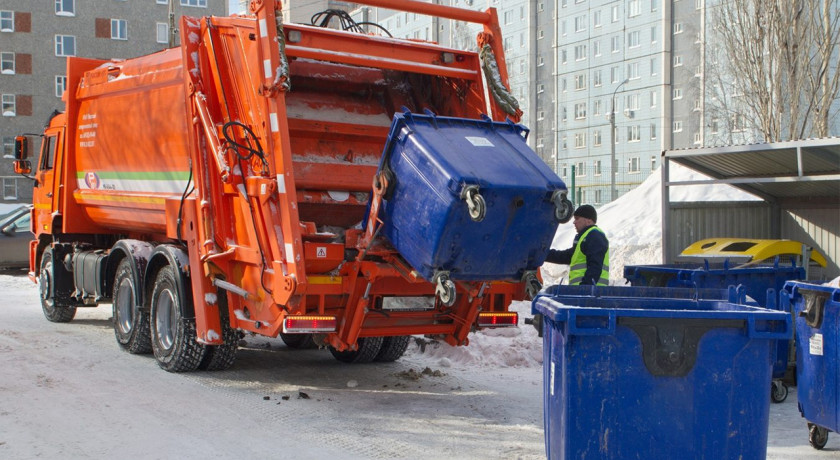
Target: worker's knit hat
586,211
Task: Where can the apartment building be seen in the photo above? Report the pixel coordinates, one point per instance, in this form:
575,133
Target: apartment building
37,36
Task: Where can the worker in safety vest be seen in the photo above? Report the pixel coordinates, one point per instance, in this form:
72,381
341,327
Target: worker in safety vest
589,256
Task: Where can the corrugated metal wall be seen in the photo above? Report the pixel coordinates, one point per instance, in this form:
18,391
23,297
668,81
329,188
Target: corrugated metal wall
819,228
694,221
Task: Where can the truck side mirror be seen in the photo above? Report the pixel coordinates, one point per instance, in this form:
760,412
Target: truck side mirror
21,148
23,167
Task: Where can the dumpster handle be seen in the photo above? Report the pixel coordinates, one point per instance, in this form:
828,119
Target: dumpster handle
770,328
581,323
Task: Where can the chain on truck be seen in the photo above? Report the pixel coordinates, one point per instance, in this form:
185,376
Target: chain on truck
270,178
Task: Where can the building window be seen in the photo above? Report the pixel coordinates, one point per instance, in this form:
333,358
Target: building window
596,77
698,139
580,111
563,114
540,88
614,74
9,105
118,29
60,85
201,3
597,46
65,45
162,32
677,93
596,18
633,165
580,140
596,165
10,189
540,34
652,162
580,23
598,196
697,104
678,28
633,40
596,107
632,102
633,134
677,126
653,35
521,66
7,63
580,81
508,17
65,7
563,57
596,141
580,169
633,8
580,52
616,43
162,2
714,126
633,71
652,99
540,115
653,66
677,61
7,21
653,131
8,146
614,13
654,5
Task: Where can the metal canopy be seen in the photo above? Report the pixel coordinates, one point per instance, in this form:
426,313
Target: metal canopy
797,171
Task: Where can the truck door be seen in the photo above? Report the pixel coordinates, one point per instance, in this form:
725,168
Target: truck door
45,194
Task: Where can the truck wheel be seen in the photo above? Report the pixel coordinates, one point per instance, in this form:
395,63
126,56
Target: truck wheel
131,321
221,357
173,336
55,313
298,341
392,348
817,435
368,348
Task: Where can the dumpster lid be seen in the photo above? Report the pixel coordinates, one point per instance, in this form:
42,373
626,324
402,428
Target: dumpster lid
746,250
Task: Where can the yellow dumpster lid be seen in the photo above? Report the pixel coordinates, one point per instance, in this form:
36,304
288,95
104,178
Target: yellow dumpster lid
745,250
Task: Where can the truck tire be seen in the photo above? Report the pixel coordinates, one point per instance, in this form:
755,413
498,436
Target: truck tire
298,341
368,348
173,336
131,321
221,357
52,310
392,348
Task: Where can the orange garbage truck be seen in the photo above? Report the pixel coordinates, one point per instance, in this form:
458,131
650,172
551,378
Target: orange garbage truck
330,187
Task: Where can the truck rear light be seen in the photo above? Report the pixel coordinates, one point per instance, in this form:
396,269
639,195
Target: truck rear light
309,323
498,319
295,36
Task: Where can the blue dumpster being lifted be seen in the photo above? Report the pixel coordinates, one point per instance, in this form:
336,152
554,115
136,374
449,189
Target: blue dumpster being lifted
817,313
656,373
468,199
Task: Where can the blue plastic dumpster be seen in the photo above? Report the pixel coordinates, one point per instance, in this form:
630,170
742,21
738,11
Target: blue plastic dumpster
468,197
758,280
661,377
817,312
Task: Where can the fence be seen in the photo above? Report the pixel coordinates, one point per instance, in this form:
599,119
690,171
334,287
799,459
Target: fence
594,188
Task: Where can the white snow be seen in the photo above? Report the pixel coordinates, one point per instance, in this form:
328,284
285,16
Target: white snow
68,391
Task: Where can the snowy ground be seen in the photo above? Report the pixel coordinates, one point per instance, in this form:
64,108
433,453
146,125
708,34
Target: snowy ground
67,390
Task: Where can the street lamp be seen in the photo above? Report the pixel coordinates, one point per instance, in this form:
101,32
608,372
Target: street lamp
612,142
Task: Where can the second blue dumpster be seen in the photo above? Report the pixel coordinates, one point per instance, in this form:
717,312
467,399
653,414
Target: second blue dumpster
817,310
655,377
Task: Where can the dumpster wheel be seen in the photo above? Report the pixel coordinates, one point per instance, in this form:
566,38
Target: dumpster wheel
778,391
817,435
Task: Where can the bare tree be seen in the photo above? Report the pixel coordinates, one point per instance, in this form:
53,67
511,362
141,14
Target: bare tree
774,67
